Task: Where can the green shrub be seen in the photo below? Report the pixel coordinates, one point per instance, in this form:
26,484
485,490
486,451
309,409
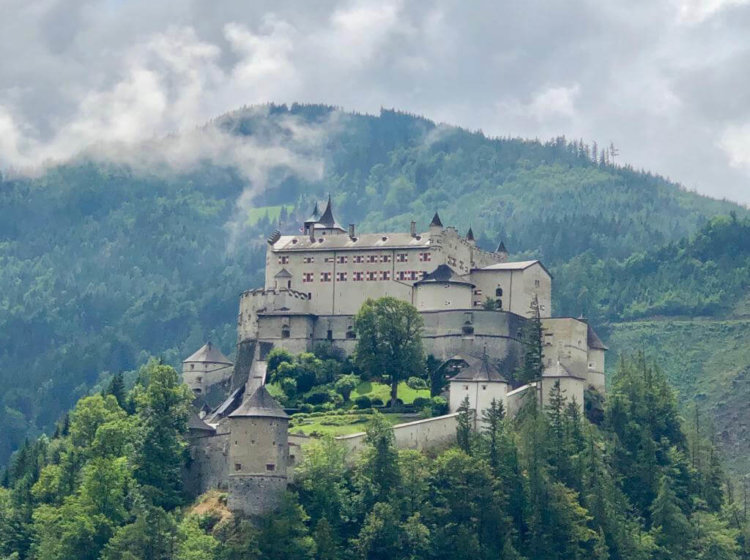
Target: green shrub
376,401
439,406
416,383
363,402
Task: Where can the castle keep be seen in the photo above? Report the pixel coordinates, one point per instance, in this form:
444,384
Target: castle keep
473,302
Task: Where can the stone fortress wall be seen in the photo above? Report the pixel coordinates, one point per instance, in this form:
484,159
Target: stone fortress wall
474,305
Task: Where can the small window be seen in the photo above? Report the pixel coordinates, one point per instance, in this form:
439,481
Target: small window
192,366
536,283
350,334
199,379
484,387
285,332
467,329
499,304
291,459
466,387
499,292
270,467
237,467
329,334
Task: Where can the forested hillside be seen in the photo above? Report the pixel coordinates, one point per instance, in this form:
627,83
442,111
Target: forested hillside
547,485
106,260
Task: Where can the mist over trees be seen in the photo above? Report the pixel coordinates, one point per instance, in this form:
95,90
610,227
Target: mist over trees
103,265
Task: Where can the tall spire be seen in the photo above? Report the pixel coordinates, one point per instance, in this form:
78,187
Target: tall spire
470,235
326,219
436,221
501,248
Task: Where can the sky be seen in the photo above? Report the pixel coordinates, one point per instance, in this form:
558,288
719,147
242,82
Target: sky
666,81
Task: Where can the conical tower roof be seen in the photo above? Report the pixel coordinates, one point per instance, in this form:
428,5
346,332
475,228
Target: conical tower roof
209,354
470,234
260,404
327,220
315,216
436,221
501,248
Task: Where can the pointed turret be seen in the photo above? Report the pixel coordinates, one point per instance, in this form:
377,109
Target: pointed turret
436,221
470,235
310,222
327,221
501,248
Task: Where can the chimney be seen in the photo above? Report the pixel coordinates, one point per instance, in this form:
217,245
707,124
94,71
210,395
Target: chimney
312,233
351,231
414,229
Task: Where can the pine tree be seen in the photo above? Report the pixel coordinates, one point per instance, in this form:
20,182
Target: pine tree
532,343
463,426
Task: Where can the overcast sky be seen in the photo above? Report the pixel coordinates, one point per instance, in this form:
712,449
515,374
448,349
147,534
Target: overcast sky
667,81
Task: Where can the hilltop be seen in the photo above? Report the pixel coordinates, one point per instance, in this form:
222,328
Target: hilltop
110,258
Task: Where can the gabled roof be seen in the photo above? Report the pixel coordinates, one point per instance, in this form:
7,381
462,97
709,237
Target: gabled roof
470,234
363,241
443,274
436,221
593,339
260,404
478,369
518,265
208,354
327,220
283,273
559,370
501,248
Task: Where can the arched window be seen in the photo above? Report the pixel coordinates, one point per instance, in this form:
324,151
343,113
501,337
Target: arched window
285,331
467,329
350,334
499,292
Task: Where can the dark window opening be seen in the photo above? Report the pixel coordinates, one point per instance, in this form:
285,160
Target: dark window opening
270,467
285,332
499,304
289,284
237,467
467,329
499,292
351,334
329,334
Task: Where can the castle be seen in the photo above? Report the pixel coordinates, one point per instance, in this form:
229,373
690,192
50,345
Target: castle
473,303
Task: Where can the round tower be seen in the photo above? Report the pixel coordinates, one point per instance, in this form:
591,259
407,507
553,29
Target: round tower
258,454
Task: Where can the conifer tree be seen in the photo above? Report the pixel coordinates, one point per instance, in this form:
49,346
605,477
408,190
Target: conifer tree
531,341
463,426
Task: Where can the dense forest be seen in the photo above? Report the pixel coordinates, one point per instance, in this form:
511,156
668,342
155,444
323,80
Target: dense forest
104,262
549,484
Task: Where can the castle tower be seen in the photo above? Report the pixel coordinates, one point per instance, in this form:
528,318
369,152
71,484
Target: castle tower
206,367
258,454
436,225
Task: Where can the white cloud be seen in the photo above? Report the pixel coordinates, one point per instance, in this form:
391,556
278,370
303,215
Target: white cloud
664,80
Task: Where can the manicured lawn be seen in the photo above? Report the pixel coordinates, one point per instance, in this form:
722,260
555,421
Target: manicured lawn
383,392
340,425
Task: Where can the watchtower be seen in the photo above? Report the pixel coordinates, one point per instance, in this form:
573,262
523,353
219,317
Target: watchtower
258,454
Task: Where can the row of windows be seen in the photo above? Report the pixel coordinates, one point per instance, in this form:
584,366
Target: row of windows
359,276
344,259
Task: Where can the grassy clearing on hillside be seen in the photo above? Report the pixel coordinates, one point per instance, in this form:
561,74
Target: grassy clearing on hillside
708,362
254,215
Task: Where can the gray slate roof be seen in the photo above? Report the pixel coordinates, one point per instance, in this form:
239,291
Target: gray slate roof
593,340
478,369
283,273
327,220
372,241
436,220
260,403
208,354
443,274
196,423
315,216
